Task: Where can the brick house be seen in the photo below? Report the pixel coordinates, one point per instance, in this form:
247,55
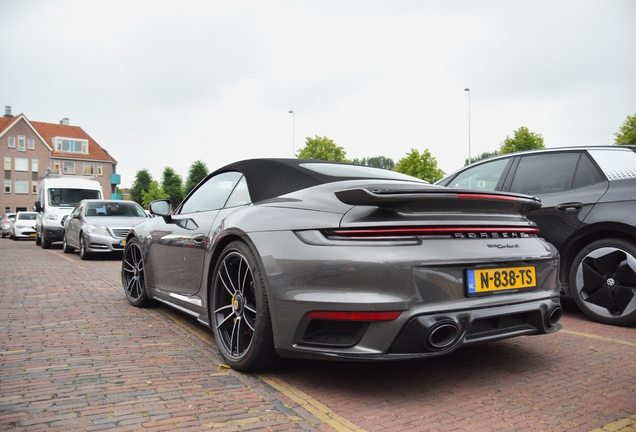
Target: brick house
29,148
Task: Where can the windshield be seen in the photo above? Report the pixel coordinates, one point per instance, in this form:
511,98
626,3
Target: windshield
115,208
60,197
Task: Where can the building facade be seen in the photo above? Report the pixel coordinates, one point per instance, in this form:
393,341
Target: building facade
29,148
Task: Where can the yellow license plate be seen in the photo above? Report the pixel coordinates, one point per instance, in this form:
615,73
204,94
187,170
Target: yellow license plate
33,235
487,280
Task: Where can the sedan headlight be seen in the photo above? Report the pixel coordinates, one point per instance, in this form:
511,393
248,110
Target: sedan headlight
92,229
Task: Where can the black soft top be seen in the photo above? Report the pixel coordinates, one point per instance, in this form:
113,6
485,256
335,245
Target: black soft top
271,178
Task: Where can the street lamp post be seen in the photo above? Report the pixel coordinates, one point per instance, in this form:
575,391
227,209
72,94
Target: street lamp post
468,90
293,132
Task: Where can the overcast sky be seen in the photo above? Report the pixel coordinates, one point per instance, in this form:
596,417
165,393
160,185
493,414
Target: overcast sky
165,83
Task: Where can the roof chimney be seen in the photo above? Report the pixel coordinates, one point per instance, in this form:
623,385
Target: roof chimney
64,121
7,111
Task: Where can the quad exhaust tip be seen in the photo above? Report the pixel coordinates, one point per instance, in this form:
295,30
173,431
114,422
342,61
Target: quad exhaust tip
442,335
553,316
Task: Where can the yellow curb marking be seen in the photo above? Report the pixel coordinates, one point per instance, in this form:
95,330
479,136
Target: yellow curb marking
319,410
603,338
626,424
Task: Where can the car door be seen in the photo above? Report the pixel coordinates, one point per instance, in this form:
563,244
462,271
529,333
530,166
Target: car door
568,183
178,247
74,225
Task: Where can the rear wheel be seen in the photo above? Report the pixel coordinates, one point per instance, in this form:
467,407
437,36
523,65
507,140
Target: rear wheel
603,281
133,274
240,312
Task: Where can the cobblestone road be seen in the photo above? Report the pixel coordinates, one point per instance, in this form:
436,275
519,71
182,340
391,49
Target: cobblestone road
74,356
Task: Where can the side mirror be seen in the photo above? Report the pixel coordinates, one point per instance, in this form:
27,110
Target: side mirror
38,206
161,208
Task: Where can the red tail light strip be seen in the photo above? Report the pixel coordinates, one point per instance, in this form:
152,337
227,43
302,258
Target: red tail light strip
484,196
353,316
429,231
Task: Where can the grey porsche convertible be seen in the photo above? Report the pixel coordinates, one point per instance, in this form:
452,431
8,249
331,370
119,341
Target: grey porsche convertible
288,258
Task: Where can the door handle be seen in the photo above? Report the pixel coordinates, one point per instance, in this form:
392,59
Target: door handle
569,206
198,238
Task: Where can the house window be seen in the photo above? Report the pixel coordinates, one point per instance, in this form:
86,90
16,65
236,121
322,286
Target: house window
100,169
89,168
71,145
56,165
7,186
21,186
34,187
69,167
11,142
7,163
21,164
21,143
31,144
34,165
7,209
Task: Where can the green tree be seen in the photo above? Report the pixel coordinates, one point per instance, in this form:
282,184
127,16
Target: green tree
172,184
523,140
197,172
484,155
627,133
154,192
423,166
377,162
322,148
140,185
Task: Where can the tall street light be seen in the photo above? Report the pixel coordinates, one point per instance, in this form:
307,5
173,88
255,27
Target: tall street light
293,132
468,90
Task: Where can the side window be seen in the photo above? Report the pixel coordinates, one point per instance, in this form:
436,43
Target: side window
482,177
545,173
586,173
240,196
212,194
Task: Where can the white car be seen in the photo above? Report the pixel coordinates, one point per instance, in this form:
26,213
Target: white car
23,226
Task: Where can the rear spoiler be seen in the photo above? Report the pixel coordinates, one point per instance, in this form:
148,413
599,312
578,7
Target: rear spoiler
438,199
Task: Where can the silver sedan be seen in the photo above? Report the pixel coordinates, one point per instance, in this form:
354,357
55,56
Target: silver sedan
100,226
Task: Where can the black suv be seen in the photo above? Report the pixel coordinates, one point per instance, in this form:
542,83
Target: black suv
588,213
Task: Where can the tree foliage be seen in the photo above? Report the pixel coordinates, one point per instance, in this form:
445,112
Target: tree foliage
140,185
627,133
484,155
154,192
523,140
377,162
172,184
423,166
197,172
322,148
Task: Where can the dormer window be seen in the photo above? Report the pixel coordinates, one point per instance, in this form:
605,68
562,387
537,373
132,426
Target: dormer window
70,145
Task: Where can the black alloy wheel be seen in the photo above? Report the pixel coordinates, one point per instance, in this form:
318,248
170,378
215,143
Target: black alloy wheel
240,312
133,275
603,281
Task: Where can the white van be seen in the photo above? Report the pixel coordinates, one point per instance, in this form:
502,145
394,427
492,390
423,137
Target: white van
57,196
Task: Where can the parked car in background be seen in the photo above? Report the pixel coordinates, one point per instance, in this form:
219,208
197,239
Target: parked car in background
23,226
100,226
5,223
588,213
312,259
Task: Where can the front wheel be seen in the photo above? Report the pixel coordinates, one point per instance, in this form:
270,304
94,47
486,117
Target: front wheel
603,281
240,312
84,254
38,239
65,247
133,274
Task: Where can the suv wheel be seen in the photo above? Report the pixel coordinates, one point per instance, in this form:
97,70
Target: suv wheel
603,281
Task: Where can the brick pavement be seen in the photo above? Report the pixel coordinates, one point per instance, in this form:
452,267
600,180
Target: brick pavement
75,356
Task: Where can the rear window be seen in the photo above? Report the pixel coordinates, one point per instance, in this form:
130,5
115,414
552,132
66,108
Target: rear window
357,171
616,165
